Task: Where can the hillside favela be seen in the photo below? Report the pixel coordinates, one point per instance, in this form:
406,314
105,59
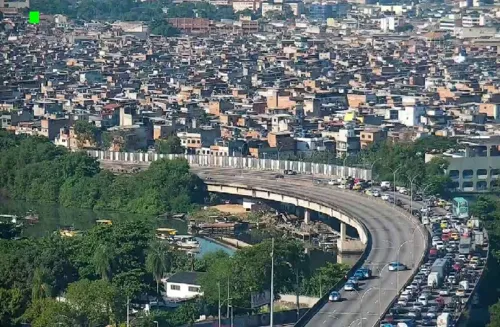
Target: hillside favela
248,163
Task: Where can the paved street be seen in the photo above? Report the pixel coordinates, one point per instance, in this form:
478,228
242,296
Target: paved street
390,231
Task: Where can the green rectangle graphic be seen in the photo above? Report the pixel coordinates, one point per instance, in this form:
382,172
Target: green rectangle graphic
34,17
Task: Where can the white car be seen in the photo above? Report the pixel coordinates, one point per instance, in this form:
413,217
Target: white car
396,266
423,300
439,245
403,190
444,292
376,194
349,287
403,302
385,197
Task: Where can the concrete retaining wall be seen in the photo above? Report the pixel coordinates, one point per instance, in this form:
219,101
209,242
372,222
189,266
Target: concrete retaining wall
237,162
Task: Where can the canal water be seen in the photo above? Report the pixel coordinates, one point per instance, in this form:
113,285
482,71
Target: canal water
54,217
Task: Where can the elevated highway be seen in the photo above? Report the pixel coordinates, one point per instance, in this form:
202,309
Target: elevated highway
390,232
393,237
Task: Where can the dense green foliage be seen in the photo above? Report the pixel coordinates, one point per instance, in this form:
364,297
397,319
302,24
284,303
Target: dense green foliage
130,10
249,271
34,169
170,145
35,271
86,132
487,208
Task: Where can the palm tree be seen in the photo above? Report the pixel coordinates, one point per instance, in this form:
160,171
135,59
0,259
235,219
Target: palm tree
103,262
40,286
158,262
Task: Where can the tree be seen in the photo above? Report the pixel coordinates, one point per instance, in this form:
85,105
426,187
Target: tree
103,262
96,302
49,312
160,26
158,262
41,286
171,145
85,133
494,315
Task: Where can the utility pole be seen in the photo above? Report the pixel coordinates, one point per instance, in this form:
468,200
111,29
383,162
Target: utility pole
297,291
272,283
128,311
227,314
218,284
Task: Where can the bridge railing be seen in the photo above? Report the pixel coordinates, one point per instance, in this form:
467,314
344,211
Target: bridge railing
300,167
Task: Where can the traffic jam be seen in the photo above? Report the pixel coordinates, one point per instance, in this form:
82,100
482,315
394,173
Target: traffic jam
443,285
441,289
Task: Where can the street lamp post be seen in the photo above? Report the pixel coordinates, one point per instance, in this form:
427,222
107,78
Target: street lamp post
343,165
394,172
157,323
271,318
397,274
379,271
373,164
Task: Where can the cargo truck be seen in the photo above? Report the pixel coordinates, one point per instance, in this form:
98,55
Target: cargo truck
478,238
444,320
465,245
440,266
433,280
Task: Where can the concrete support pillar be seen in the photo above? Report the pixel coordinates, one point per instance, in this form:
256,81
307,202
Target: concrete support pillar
342,231
307,216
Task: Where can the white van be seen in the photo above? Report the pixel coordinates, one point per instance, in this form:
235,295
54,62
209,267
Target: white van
425,220
385,184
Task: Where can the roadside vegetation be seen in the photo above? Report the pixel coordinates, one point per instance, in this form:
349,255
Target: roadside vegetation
487,208
107,265
35,170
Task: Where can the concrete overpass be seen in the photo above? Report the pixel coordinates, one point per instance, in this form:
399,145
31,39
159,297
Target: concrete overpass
391,233
307,203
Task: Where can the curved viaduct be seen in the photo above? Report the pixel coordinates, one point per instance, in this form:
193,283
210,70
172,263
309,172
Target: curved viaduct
394,236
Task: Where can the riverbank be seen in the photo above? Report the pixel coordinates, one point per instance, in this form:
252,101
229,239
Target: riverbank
230,243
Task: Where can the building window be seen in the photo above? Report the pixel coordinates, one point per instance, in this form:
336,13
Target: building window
467,185
193,289
455,185
468,174
454,174
482,172
175,287
482,186
495,172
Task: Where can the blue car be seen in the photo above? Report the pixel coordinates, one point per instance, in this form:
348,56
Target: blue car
359,275
367,273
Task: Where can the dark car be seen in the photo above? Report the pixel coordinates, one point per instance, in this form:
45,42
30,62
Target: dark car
290,172
417,197
279,176
428,322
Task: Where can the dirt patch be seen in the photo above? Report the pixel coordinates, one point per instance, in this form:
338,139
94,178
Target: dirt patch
233,209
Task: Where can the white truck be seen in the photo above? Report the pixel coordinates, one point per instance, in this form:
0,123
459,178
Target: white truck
444,319
434,280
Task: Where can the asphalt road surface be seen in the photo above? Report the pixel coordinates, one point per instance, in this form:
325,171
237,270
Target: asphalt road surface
392,233
394,238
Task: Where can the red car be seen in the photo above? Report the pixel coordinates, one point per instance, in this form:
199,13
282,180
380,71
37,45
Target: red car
445,237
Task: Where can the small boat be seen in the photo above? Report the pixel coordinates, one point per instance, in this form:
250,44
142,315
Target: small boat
32,217
69,232
186,242
104,222
165,233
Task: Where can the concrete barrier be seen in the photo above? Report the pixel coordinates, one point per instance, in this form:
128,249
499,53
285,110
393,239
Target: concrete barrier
301,167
